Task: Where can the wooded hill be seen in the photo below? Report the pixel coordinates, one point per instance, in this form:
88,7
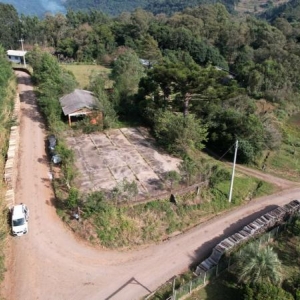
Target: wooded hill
111,7
289,11
116,7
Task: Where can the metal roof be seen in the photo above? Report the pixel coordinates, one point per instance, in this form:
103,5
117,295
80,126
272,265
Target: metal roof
77,100
16,53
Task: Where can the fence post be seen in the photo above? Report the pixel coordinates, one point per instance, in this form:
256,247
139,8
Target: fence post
191,287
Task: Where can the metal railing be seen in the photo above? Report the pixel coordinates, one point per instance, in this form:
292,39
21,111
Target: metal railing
225,262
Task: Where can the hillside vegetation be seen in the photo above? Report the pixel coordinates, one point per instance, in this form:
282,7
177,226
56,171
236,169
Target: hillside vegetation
209,78
209,68
115,7
199,80
7,94
41,8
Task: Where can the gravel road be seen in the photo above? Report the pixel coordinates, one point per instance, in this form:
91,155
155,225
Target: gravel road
50,263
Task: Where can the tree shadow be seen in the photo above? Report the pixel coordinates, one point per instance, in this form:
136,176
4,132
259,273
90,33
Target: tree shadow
26,80
32,111
223,287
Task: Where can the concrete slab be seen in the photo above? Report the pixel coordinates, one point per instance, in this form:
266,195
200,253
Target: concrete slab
105,159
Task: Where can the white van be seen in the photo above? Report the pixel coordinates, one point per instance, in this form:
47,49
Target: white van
19,219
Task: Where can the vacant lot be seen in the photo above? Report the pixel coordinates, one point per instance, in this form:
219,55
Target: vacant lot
105,159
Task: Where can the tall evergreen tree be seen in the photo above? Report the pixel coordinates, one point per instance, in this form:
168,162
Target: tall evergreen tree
9,27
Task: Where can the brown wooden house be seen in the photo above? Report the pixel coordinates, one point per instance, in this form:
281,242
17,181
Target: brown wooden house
80,103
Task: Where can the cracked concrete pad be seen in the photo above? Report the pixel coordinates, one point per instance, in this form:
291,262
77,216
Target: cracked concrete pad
105,159
104,185
120,173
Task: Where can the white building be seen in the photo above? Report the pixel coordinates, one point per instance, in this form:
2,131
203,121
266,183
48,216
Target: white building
17,56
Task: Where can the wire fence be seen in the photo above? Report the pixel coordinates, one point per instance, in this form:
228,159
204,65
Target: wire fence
225,262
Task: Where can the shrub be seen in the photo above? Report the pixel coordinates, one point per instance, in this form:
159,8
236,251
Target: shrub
218,175
93,204
73,198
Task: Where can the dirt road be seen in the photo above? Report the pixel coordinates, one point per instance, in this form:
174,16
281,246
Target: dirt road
49,263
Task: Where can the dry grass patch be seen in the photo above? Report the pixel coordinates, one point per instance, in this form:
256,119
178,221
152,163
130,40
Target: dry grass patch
82,73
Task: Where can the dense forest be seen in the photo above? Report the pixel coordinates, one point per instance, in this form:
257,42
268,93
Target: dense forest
115,7
41,8
206,67
289,11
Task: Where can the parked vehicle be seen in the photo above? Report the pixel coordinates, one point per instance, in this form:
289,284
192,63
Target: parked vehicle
19,219
52,142
56,159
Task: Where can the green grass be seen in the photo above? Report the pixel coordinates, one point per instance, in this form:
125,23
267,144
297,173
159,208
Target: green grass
82,73
246,188
285,162
130,226
287,247
221,288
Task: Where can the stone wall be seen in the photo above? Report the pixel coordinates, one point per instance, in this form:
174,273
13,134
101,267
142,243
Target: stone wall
10,170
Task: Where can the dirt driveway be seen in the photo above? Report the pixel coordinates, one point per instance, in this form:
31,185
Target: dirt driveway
49,263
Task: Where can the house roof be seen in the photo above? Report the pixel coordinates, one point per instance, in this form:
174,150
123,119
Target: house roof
77,100
16,53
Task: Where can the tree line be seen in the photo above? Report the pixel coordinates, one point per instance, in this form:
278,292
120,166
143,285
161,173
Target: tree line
206,71
115,7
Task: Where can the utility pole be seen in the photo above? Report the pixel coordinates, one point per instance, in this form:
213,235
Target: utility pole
21,40
233,170
174,285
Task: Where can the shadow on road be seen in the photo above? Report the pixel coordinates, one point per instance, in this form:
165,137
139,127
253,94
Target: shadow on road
205,250
32,110
24,79
130,281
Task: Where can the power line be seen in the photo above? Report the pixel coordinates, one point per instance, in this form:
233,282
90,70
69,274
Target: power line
233,170
227,151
